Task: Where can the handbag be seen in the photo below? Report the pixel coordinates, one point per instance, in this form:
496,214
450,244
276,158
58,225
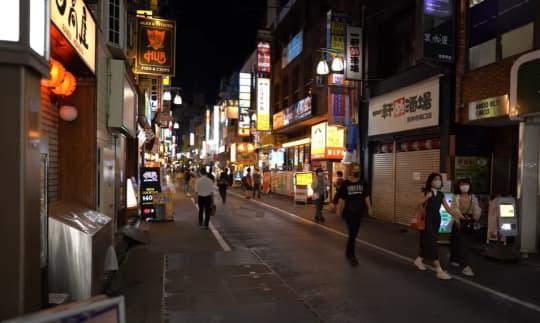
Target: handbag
418,220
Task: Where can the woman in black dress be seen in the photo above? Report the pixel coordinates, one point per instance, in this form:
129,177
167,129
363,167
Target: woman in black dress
432,199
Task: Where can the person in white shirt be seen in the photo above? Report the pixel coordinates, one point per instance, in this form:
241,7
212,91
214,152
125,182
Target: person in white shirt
204,188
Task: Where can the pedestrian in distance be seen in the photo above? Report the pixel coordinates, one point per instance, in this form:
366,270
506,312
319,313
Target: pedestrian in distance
466,205
319,186
257,183
223,183
432,199
247,183
337,183
204,188
187,178
353,199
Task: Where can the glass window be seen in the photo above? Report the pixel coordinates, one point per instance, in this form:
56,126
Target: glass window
517,41
9,27
482,54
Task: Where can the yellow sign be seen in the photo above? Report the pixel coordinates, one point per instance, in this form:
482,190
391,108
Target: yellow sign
304,179
335,142
318,141
263,104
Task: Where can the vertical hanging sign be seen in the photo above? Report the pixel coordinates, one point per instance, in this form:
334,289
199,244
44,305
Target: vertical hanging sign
156,46
353,53
263,104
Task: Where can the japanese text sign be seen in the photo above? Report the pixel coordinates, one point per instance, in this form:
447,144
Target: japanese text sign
74,20
413,107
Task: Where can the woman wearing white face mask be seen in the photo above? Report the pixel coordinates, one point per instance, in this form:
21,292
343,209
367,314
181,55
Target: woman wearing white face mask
432,199
466,204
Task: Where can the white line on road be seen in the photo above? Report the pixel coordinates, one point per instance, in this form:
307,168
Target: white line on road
403,257
224,245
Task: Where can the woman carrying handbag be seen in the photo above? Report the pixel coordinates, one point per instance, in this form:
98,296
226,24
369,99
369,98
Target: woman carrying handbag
432,198
466,205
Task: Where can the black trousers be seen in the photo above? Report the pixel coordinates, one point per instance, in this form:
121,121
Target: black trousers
353,225
257,190
205,203
223,193
458,245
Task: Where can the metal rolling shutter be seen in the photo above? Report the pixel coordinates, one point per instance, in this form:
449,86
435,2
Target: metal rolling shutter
407,188
382,188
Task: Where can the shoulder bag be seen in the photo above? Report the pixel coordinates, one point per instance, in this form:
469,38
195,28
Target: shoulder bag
418,220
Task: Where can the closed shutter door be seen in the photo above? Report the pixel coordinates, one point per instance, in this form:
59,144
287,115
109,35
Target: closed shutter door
382,187
411,164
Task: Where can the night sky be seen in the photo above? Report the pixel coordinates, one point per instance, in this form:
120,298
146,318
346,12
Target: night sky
214,39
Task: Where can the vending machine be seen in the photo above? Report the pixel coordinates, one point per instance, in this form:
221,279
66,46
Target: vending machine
502,229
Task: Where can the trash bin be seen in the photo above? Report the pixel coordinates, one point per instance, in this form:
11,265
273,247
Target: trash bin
78,242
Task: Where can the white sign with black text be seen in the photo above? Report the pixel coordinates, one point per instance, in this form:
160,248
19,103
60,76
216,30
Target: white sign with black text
413,107
353,53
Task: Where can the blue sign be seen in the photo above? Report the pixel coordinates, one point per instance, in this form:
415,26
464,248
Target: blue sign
293,49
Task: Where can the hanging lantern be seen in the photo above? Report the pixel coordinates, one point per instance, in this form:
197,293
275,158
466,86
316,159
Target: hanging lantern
57,72
67,87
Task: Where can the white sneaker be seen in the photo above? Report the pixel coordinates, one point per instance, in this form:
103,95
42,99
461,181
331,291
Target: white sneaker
467,271
441,274
455,264
419,264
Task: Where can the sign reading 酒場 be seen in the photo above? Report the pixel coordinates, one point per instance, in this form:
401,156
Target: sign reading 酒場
413,107
155,46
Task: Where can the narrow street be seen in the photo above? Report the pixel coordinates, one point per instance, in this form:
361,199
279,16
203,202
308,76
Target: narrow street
287,269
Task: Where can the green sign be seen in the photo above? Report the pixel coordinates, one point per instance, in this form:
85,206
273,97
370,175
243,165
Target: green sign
475,168
446,218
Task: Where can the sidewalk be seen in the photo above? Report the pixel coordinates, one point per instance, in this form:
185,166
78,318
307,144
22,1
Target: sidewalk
509,280
183,275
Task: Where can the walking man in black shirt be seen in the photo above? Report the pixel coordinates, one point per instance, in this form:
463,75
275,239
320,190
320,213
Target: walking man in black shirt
353,199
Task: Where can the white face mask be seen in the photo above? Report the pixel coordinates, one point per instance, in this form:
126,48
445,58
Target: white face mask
464,188
436,184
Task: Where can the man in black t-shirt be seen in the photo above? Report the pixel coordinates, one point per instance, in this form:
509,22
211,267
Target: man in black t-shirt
353,198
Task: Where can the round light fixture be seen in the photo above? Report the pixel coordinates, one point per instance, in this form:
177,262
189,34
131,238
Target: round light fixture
68,113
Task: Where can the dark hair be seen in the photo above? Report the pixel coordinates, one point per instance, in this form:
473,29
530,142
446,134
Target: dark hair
430,179
225,170
318,170
248,170
339,173
203,171
464,180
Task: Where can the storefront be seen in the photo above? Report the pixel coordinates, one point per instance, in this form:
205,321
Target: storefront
327,150
404,147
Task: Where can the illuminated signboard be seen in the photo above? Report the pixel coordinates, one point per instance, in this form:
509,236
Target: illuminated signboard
318,141
243,122
293,49
150,185
296,112
74,20
263,104
263,56
304,178
155,46
335,142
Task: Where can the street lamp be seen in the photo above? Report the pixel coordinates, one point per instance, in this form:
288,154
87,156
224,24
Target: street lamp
337,66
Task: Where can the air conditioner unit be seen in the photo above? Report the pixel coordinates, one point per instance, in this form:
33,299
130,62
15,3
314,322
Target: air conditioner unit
122,99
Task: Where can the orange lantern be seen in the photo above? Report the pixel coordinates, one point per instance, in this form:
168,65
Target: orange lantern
57,72
67,87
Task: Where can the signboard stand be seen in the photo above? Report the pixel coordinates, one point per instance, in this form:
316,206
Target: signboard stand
300,194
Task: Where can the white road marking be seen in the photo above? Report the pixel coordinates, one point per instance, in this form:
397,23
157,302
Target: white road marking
224,245
402,257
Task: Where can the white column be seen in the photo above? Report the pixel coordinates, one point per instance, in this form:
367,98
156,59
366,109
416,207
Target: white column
528,182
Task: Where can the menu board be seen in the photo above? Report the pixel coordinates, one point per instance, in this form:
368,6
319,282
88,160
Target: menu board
150,184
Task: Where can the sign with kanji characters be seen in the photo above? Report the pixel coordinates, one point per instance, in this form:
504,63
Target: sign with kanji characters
353,53
413,107
318,141
263,104
263,56
327,142
75,21
437,38
156,46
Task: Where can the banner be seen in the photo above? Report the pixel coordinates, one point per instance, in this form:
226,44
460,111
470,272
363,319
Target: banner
243,122
156,46
263,56
353,53
413,107
263,104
